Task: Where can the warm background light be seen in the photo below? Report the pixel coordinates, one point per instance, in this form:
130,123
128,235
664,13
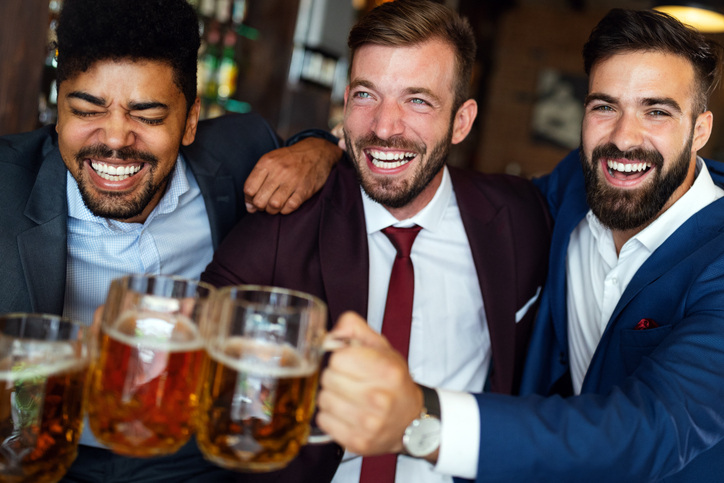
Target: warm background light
703,19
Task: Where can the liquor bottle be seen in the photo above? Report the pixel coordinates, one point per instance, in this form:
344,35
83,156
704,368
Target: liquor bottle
228,69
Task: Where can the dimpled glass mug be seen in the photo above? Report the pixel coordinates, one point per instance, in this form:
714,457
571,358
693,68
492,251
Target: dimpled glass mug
264,349
145,382
44,362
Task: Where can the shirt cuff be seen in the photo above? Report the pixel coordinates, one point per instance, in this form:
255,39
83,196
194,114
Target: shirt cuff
460,434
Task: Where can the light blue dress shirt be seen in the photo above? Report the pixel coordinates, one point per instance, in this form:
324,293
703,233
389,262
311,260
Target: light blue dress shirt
174,240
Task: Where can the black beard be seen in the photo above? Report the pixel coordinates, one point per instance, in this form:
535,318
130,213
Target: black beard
111,204
382,191
623,210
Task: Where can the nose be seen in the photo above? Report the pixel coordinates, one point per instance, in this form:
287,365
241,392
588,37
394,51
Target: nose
388,120
627,132
117,131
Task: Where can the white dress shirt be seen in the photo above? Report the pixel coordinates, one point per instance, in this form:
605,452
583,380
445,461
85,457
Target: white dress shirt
594,289
174,240
449,340
596,277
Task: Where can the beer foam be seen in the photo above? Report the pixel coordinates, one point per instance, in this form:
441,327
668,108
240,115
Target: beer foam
262,359
42,370
155,330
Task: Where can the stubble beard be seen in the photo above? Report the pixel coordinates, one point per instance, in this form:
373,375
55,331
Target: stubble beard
115,205
622,209
398,193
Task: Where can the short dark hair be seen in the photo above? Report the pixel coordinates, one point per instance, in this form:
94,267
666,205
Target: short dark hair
161,30
623,30
409,22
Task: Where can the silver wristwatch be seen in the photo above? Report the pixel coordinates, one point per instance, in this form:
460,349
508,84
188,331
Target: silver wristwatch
422,436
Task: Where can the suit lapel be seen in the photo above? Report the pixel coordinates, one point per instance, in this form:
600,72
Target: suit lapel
343,251
570,214
488,229
218,190
43,248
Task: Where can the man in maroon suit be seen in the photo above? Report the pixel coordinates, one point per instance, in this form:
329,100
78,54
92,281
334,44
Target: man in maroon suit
481,255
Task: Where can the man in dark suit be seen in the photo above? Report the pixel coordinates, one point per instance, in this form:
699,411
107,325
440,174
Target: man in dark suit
622,381
479,258
132,182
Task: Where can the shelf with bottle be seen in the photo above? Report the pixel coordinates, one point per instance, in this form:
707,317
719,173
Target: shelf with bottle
221,27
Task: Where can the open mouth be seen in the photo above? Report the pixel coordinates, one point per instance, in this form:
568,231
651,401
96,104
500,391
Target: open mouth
389,159
627,171
112,172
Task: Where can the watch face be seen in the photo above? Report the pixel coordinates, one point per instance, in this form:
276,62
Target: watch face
422,437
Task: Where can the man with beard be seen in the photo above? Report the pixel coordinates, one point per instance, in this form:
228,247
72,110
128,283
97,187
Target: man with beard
478,260
132,182
623,376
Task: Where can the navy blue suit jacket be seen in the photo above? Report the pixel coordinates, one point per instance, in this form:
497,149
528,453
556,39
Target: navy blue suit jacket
652,402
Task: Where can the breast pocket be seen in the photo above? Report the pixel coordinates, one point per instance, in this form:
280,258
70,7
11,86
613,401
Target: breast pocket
636,344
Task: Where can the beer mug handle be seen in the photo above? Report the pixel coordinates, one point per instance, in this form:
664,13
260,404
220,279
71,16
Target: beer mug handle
330,344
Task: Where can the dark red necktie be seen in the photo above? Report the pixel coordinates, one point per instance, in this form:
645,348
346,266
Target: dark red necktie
396,327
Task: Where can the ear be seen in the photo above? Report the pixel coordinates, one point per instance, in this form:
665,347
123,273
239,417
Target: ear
702,130
192,122
346,95
463,121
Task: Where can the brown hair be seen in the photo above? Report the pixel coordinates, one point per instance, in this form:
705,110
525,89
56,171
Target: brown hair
623,31
409,22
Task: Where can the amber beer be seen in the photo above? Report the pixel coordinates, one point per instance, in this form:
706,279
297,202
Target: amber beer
41,416
257,402
145,384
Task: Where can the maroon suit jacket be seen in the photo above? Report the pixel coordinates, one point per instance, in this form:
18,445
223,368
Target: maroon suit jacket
322,249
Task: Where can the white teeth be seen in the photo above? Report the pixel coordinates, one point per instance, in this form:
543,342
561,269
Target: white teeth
115,173
382,159
627,167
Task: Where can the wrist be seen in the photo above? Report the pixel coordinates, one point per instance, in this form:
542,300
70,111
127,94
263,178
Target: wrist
421,438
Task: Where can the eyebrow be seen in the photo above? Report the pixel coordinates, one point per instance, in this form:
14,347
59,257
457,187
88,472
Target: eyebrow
84,96
133,106
648,101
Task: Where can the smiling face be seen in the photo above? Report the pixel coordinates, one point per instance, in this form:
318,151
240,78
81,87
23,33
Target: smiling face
399,122
120,126
640,136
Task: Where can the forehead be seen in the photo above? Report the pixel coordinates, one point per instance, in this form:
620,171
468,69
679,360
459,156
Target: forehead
428,65
131,79
640,75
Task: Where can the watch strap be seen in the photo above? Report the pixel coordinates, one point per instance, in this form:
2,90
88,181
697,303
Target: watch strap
431,401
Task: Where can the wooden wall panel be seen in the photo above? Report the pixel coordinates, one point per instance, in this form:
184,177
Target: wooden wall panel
23,31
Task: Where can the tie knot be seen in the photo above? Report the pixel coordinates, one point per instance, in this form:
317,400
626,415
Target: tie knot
402,238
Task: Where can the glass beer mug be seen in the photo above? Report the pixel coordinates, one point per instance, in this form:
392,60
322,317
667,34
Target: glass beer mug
264,346
145,382
44,362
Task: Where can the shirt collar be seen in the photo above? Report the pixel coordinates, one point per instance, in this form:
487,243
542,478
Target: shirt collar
377,217
178,185
703,192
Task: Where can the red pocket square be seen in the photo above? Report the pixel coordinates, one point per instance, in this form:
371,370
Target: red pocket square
646,324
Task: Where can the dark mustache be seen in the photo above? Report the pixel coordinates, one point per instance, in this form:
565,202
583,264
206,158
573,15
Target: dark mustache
611,151
394,142
102,151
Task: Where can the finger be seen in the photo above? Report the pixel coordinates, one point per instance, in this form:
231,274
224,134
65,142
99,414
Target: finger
279,198
351,325
261,199
256,179
292,203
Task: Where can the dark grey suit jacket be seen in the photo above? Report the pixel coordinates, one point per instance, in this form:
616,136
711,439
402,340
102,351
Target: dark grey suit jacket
33,226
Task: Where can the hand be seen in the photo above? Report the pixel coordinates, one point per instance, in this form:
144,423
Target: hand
285,178
368,397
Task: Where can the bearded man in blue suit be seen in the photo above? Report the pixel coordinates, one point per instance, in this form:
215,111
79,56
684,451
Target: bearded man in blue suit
623,380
